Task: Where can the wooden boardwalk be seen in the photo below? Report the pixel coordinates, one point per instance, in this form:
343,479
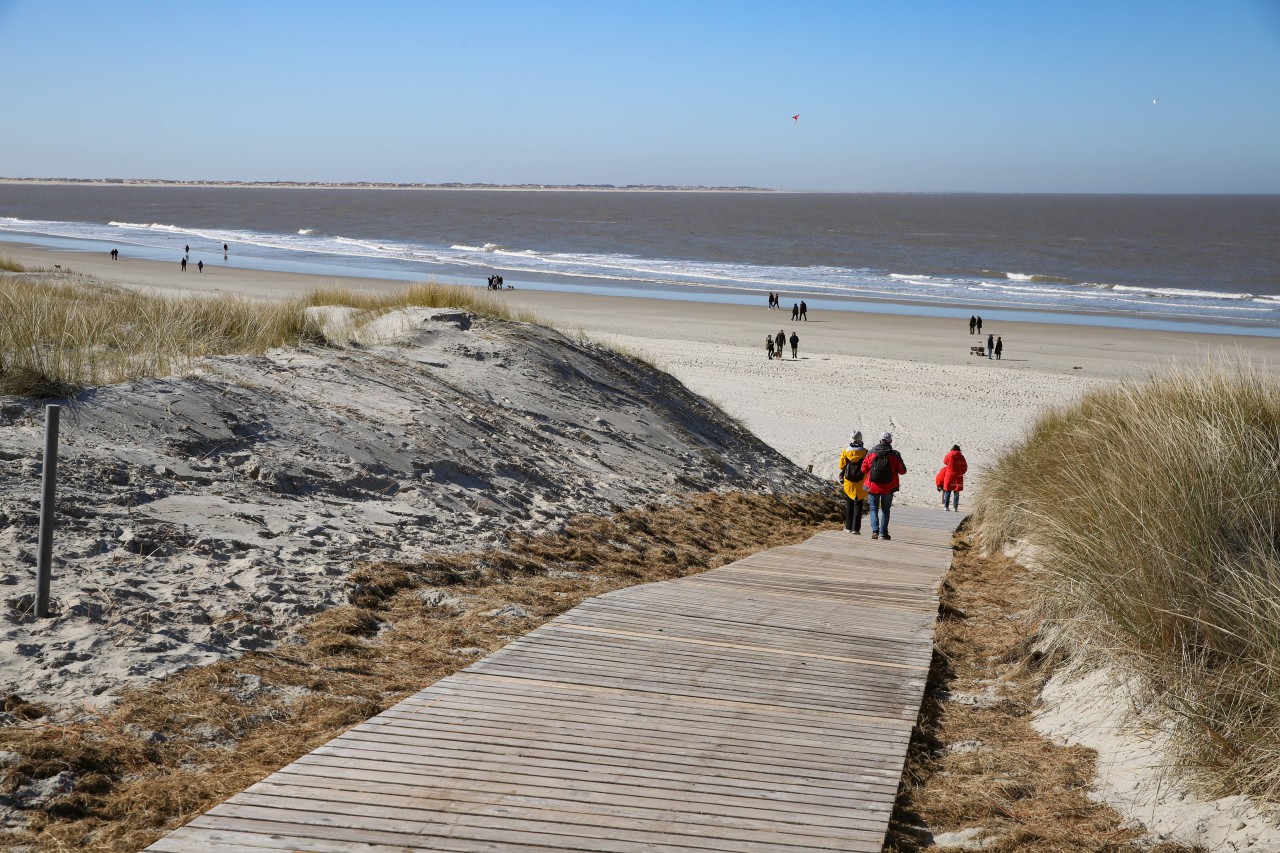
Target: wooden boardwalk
765,706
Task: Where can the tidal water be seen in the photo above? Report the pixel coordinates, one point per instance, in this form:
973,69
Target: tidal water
1208,260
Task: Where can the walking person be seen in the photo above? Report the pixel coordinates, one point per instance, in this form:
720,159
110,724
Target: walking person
973,322
780,341
999,348
979,323
950,479
854,483
184,264
882,467
768,345
200,266
795,311
991,345
795,345
804,311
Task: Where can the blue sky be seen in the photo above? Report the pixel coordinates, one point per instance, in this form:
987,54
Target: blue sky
892,96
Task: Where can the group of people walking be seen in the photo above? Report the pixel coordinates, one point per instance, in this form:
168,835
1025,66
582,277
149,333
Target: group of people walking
774,344
799,310
495,282
870,478
995,346
186,256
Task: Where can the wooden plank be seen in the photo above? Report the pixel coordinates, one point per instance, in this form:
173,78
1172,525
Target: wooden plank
762,706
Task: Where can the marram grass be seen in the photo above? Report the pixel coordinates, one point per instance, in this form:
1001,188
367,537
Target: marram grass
57,337
1153,512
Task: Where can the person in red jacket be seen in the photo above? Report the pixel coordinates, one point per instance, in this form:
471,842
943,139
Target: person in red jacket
882,482
950,480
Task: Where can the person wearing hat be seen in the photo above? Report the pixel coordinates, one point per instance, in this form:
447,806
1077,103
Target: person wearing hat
881,468
854,483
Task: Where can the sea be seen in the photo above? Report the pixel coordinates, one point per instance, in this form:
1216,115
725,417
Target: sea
1192,262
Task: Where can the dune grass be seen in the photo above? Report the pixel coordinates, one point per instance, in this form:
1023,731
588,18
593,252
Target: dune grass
1152,511
8,264
57,337
172,749
427,294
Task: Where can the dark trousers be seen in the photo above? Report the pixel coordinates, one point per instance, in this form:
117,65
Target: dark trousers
852,513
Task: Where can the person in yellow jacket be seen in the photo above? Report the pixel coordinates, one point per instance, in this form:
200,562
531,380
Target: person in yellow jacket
854,483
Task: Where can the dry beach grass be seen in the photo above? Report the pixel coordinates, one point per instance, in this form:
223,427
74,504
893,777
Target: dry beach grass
976,765
61,333
170,751
1152,512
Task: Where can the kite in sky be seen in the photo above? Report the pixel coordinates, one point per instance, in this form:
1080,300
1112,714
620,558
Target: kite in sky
797,118
1155,100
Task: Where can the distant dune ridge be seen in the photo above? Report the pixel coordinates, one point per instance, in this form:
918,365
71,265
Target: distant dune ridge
201,515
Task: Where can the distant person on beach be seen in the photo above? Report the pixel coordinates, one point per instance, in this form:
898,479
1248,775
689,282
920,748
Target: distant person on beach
999,348
973,323
854,483
795,344
200,266
795,311
804,311
770,300
882,467
115,254
979,323
950,479
780,341
184,264
186,249
768,345
991,345
224,250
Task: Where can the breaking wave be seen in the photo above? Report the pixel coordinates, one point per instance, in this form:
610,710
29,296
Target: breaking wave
306,249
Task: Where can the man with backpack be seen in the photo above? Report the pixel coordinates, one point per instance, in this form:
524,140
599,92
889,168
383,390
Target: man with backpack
881,467
854,484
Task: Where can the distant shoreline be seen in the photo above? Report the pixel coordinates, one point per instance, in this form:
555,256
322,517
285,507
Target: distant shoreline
373,185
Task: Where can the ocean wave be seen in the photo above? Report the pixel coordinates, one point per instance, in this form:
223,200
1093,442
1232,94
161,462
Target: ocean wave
487,248
1020,276
1176,292
967,288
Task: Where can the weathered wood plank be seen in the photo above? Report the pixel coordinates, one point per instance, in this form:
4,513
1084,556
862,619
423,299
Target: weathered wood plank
763,706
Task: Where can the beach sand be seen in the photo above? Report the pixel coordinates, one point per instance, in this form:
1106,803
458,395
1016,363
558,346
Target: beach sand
909,375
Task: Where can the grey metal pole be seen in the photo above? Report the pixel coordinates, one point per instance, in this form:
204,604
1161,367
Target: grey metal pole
44,563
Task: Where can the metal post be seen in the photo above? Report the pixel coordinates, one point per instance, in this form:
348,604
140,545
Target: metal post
45,559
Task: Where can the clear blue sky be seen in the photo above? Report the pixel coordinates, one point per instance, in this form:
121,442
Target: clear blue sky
903,96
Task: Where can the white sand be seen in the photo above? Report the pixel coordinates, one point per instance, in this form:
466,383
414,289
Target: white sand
912,376
1133,774
873,372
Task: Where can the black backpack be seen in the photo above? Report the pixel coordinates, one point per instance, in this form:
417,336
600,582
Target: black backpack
851,470
881,468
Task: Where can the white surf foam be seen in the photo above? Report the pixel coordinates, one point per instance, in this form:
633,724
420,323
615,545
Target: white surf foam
994,288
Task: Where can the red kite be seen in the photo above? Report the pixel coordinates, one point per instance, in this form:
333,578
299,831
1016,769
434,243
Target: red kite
797,118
